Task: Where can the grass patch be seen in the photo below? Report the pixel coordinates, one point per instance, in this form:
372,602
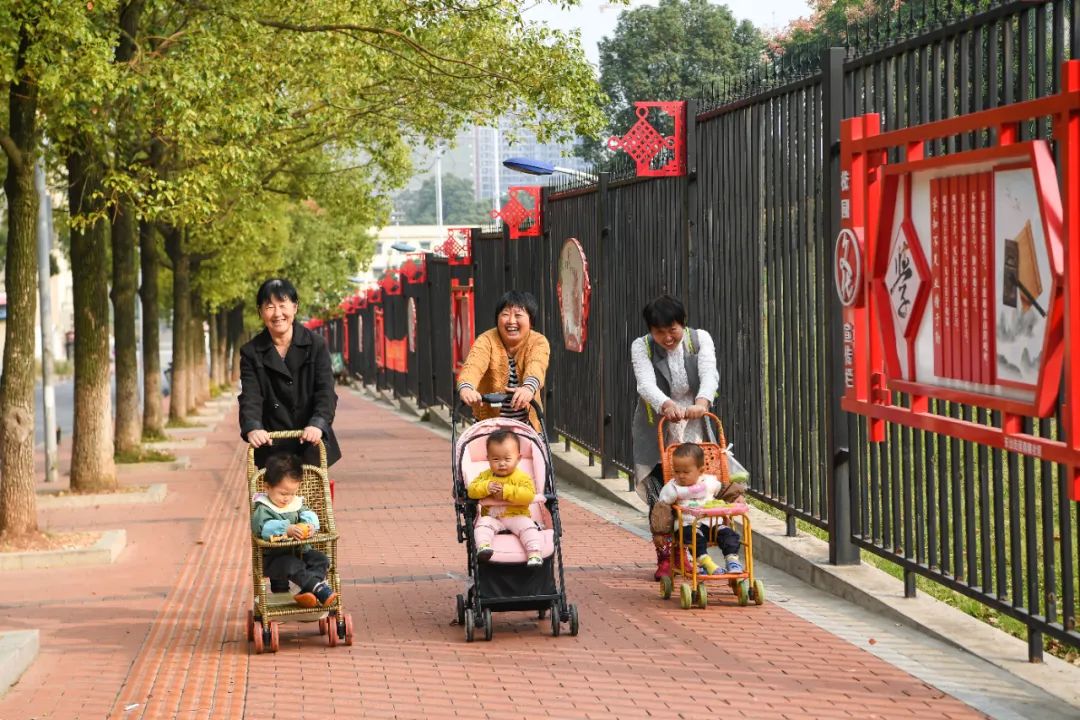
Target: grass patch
174,424
154,436
144,455
961,602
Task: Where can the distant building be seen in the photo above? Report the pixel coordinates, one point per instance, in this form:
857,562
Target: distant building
423,238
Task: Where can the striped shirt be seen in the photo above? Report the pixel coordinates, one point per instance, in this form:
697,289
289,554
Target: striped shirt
511,385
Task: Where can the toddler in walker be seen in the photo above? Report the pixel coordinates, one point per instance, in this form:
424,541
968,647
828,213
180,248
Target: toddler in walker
504,481
280,514
689,487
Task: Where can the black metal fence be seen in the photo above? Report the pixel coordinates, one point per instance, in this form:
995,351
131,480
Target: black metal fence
746,238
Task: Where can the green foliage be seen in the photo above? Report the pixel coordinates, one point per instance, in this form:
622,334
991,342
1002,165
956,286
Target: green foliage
459,205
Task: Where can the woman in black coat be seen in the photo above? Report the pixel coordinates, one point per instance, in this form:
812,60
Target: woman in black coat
286,381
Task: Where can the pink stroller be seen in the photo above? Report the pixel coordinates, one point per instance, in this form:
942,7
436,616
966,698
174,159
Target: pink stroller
504,582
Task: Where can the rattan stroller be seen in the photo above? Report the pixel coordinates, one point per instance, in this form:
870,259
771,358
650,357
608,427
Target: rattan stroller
693,590
264,619
505,583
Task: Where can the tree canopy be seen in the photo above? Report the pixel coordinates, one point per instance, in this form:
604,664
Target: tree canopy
460,206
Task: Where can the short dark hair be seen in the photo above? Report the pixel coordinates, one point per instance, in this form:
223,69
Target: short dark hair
690,450
281,466
279,288
663,311
521,299
501,436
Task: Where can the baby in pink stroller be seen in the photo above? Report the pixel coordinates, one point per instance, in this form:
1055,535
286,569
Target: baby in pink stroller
508,517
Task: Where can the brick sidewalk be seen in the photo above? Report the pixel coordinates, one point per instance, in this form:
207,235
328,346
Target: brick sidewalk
162,630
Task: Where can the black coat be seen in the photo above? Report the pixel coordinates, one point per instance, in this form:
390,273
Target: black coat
289,394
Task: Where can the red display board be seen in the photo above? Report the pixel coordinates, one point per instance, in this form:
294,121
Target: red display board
959,275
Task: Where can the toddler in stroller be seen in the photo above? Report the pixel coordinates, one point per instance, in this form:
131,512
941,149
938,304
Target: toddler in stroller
503,479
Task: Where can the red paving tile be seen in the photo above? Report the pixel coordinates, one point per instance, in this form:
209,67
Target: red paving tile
162,630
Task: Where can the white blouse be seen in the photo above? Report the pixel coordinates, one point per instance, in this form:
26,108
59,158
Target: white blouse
681,392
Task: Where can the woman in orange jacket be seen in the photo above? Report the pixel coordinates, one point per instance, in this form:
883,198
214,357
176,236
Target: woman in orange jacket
510,358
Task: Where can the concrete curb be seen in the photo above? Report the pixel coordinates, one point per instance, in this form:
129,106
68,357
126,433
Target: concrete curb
198,441
153,493
182,462
103,552
186,432
573,468
18,649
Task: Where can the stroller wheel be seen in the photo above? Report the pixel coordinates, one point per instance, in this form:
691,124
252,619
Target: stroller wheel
702,596
573,621
345,629
275,639
468,625
686,596
489,626
666,587
332,630
742,593
759,592
542,613
322,626
251,625
460,609
257,638
555,625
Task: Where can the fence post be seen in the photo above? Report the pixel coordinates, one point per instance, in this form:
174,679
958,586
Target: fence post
600,271
548,268
842,551
689,268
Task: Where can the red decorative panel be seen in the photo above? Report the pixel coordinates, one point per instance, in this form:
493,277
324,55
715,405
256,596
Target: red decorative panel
523,221
414,270
458,246
643,142
462,322
374,295
391,283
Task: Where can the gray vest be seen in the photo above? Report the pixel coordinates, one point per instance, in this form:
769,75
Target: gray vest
646,451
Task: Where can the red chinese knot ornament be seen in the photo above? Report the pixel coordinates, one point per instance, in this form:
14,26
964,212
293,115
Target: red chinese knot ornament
643,142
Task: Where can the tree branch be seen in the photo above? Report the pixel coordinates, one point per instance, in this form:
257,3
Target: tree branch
15,156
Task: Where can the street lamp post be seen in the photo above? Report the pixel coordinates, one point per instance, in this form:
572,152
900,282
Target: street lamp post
539,167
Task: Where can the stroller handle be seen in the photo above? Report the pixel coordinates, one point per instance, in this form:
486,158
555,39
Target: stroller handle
499,399
288,435
721,439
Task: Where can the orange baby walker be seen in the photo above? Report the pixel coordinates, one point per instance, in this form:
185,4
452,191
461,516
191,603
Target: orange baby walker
693,590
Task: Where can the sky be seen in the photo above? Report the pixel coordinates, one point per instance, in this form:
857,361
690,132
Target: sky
596,18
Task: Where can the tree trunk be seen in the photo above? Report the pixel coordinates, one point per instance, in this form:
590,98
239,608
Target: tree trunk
201,364
215,362
236,339
124,230
18,501
153,417
92,465
128,420
221,379
181,266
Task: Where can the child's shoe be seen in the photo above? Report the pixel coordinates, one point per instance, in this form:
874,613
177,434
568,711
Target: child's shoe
709,566
306,599
484,553
663,561
534,561
733,564
324,593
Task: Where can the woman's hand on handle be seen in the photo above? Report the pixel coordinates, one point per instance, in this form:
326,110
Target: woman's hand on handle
671,411
311,435
470,396
522,397
258,438
697,410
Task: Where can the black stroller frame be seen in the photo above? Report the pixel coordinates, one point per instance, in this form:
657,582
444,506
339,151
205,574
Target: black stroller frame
474,610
